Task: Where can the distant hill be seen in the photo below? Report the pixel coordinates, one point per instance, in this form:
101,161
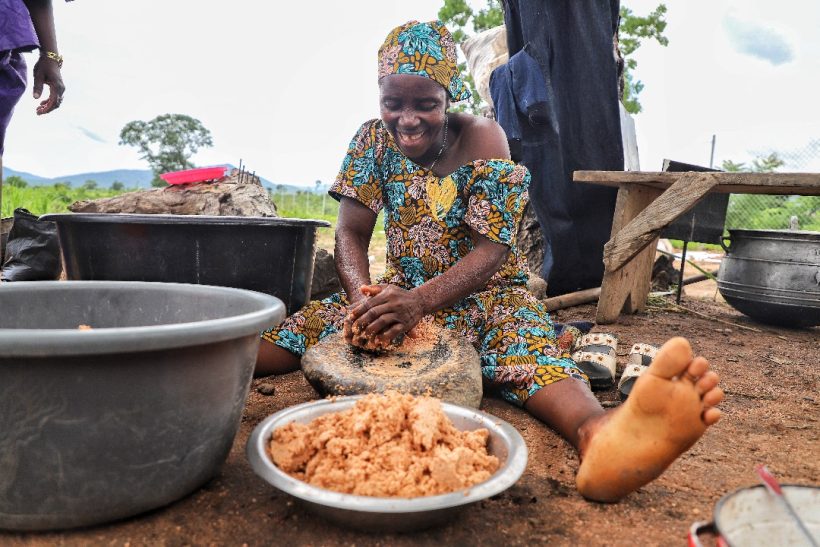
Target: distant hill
28,177
131,178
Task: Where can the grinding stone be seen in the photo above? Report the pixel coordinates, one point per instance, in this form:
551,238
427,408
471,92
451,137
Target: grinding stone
437,363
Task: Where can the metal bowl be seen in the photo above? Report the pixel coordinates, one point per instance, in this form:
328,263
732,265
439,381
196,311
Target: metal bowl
390,514
102,424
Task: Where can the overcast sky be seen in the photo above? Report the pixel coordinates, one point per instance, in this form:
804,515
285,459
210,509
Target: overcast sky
284,85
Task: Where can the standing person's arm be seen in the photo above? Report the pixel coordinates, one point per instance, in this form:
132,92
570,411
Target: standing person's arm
47,68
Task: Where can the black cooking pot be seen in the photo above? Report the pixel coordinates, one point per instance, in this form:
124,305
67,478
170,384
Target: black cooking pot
773,276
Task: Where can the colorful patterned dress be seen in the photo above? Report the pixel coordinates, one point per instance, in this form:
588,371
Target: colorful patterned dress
427,221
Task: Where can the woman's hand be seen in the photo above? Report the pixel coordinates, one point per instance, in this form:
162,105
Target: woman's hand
356,336
47,72
386,313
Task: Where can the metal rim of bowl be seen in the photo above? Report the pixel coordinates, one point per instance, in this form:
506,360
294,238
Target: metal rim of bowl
507,475
745,490
212,220
29,342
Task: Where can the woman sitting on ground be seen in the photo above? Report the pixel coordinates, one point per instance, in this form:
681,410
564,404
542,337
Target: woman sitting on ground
452,200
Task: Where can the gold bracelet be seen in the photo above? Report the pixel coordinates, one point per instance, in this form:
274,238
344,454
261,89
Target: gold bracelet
56,57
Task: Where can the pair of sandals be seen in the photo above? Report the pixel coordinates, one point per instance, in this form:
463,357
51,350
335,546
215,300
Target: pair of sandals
595,354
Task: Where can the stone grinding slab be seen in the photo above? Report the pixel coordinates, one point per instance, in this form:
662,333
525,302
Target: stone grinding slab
437,363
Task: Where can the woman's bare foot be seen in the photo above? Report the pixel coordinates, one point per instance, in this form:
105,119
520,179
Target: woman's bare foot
669,408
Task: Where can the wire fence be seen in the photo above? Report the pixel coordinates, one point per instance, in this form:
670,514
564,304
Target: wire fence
305,204
768,212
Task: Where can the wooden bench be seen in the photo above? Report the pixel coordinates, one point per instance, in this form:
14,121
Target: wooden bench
648,201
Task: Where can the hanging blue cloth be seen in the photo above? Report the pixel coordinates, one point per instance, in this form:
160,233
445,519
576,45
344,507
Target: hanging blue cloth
565,116
521,91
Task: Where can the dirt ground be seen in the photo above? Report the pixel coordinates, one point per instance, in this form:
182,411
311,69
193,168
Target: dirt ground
771,416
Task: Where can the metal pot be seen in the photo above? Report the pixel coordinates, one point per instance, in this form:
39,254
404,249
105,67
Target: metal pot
752,516
773,276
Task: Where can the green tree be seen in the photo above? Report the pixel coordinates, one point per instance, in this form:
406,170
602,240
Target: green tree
117,186
16,182
632,31
167,142
732,167
458,15
89,185
761,164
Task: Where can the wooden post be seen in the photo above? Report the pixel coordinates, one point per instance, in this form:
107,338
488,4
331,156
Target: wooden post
627,288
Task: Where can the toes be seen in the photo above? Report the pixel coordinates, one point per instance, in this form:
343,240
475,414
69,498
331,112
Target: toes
711,416
697,367
706,382
672,359
713,397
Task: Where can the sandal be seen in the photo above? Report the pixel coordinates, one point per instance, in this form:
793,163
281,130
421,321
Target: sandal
640,357
595,356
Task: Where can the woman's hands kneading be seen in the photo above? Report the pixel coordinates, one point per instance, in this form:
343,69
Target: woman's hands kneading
380,321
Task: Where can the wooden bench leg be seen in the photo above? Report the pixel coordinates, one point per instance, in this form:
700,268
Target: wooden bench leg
627,288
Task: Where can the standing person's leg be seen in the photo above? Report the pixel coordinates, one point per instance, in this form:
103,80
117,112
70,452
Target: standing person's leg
628,447
12,87
2,247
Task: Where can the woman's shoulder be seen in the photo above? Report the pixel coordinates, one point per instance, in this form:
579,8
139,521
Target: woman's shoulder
480,138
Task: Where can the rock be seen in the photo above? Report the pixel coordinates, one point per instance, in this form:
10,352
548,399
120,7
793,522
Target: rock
664,273
438,363
537,286
228,197
266,388
325,281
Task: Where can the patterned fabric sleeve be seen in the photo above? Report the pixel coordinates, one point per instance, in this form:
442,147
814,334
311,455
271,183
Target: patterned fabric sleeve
496,195
359,176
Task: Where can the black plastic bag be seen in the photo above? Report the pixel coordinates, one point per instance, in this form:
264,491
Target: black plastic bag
32,250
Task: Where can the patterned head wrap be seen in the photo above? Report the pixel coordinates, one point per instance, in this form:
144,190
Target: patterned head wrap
423,49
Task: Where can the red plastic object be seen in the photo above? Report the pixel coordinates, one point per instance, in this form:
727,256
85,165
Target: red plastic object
193,175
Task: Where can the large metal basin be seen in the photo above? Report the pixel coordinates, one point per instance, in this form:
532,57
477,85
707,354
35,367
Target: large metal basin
101,424
773,276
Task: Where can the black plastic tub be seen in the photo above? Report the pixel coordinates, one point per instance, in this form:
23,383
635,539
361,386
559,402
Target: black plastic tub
266,254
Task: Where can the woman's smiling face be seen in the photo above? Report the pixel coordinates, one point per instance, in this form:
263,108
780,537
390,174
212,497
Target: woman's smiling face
413,109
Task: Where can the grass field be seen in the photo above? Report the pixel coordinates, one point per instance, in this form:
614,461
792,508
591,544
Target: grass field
318,206
48,199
